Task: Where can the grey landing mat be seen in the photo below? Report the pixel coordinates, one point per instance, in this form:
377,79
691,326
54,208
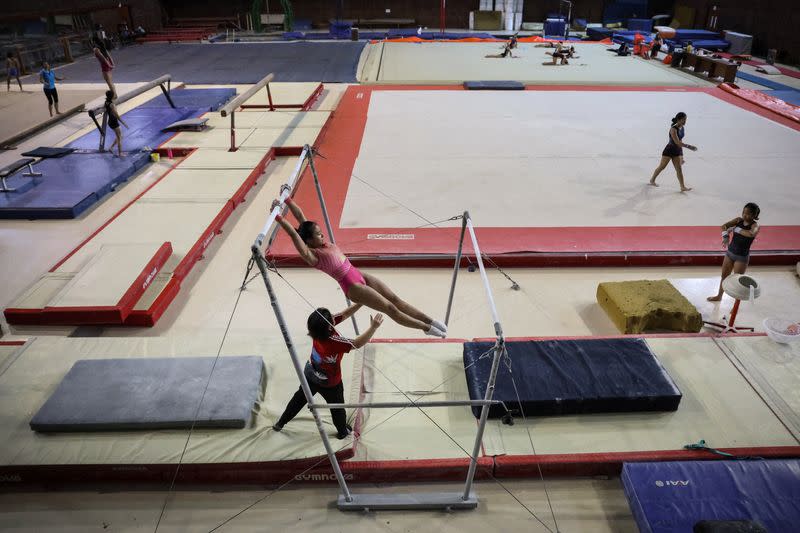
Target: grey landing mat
237,63
154,393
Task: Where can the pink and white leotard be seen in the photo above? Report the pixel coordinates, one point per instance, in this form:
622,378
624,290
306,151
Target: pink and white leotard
333,262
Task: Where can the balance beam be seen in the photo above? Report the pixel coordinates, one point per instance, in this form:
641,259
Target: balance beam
238,102
158,82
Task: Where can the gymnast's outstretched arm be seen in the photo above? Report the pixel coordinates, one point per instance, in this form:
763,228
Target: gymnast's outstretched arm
295,209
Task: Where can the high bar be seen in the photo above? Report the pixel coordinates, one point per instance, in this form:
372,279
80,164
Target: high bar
134,93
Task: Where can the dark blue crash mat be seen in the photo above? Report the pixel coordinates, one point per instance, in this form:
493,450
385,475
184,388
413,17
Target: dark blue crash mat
68,186
154,393
202,99
714,496
560,377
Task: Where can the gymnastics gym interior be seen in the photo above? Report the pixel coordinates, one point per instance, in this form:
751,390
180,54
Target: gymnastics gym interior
489,161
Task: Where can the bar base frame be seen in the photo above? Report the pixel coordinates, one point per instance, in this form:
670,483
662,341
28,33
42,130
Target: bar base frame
408,501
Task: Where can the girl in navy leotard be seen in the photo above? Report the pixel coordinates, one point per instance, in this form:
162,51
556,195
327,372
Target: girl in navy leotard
674,151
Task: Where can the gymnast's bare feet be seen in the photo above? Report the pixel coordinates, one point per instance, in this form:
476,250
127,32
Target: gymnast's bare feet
716,298
653,183
686,189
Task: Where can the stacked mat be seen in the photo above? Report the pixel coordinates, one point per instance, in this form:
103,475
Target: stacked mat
154,393
559,377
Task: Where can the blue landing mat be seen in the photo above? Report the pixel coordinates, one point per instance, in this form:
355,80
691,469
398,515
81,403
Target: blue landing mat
144,128
672,497
202,99
69,185
558,377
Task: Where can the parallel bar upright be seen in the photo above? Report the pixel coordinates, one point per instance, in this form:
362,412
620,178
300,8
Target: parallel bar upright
325,216
499,349
455,268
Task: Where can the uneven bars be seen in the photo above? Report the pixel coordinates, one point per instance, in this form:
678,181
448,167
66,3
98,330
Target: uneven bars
136,92
284,195
234,104
483,270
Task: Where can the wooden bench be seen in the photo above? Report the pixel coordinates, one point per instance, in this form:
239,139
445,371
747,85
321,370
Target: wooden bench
713,68
8,170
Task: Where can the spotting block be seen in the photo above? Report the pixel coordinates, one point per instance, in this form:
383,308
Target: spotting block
648,305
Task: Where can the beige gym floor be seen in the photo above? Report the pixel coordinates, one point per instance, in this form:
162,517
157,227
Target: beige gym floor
212,316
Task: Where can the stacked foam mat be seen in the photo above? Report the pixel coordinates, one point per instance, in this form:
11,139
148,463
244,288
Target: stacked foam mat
154,393
558,377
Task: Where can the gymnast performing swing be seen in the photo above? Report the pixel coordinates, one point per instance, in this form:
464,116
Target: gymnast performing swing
361,288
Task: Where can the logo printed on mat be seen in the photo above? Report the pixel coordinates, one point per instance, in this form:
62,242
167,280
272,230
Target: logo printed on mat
149,278
672,483
390,236
321,477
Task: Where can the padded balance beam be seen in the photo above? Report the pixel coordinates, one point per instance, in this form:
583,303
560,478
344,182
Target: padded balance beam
237,102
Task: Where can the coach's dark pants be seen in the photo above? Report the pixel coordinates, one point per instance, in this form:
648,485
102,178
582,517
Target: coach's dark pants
331,394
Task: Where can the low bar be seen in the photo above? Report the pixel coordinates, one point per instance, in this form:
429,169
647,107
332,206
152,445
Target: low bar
234,104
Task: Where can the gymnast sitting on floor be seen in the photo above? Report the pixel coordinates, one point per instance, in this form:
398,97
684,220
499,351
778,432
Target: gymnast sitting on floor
563,53
511,44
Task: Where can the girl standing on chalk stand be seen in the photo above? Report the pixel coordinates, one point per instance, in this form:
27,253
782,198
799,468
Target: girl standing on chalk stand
361,288
674,151
738,235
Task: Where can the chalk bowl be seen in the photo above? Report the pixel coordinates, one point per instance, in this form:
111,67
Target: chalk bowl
782,331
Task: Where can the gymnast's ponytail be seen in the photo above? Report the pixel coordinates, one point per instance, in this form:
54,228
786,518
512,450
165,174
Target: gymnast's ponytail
677,117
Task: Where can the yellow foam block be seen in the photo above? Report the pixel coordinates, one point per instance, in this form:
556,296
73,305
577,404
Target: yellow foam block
648,305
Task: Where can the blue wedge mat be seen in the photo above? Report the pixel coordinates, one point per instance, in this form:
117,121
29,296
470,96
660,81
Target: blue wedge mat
556,377
154,393
763,80
790,97
672,497
202,99
144,128
69,185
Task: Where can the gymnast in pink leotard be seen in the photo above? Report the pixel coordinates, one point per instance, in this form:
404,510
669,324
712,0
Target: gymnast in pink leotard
361,288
